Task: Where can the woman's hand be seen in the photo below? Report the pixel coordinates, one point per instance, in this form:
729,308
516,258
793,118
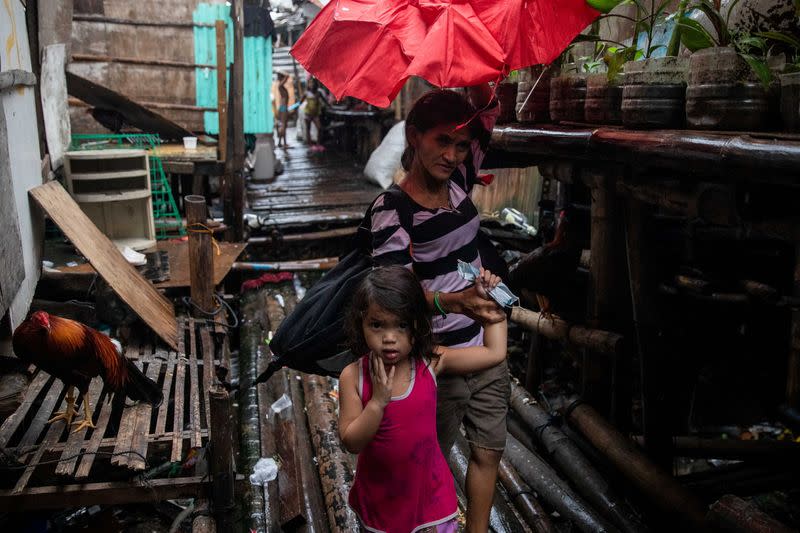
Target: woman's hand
475,301
381,381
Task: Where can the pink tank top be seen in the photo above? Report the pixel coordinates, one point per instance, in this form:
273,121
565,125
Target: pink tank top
403,483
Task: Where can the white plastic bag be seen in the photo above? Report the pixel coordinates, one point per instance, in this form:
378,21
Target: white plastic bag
264,471
385,160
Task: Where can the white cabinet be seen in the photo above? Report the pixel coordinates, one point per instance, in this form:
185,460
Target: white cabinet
113,189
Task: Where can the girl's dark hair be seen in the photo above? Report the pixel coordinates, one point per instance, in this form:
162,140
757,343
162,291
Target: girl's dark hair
397,290
437,107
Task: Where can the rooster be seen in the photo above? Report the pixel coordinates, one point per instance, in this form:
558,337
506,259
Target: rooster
548,270
75,353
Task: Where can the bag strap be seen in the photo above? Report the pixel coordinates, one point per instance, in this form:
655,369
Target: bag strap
364,232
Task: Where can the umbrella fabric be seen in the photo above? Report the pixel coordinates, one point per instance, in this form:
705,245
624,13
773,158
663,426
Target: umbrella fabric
368,48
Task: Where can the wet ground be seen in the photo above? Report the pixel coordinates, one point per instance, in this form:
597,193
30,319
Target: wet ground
315,190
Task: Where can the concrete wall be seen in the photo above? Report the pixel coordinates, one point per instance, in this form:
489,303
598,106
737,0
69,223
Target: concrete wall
19,108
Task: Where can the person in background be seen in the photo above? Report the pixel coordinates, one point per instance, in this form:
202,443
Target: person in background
283,109
387,403
447,136
313,111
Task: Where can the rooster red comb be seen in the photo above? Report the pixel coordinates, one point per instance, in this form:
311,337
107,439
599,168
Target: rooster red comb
41,318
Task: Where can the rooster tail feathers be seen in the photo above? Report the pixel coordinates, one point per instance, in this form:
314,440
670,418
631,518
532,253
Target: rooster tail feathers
139,387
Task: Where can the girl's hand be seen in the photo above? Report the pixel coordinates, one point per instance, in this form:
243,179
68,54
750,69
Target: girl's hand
381,381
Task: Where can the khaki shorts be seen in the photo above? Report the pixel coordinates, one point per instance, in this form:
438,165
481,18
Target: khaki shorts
480,400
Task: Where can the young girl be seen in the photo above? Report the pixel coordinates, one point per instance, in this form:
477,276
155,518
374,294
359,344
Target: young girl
387,410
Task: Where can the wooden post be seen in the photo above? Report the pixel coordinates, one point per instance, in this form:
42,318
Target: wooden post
654,422
222,475
222,94
533,373
234,176
793,371
201,258
603,293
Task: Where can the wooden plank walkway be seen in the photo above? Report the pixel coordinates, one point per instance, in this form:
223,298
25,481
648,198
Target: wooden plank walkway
129,437
315,189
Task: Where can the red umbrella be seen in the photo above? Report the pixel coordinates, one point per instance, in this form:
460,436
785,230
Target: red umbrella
368,48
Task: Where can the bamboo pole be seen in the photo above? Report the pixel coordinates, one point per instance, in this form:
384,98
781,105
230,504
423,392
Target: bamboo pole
645,323
555,328
201,258
571,461
731,513
501,516
222,473
521,496
255,428
520,432
335,468
603,308
313,502
325,263
659,487
222,98
541,477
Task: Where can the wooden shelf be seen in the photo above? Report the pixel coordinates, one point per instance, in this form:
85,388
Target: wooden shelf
109,175
114,196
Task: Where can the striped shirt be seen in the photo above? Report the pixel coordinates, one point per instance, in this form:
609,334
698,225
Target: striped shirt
436,240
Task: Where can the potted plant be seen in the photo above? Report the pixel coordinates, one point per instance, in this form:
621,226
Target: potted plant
729,74
604,90
568,91
789,78
653,94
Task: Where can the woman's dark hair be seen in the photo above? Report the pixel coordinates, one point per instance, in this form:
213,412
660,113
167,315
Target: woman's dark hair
440,106
397,290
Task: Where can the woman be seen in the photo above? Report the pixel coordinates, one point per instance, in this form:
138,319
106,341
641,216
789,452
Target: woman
447,139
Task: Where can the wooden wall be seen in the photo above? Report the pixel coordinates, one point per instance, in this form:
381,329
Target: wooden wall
112,35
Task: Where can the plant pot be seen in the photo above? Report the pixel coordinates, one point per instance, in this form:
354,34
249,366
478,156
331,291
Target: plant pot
790,101
654,93
603,100
567,97
533,107
507,96
723,93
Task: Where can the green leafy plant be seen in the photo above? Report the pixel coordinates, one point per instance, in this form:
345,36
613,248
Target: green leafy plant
790,43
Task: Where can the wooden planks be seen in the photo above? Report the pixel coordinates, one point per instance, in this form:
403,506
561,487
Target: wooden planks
156,311
15,419
75,441
180,373
123,438
127,424
117,492
194,390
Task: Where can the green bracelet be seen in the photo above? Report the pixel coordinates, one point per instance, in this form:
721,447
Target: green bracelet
438,305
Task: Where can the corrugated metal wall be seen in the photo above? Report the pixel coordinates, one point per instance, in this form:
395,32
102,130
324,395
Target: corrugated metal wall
257,102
